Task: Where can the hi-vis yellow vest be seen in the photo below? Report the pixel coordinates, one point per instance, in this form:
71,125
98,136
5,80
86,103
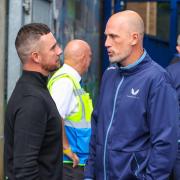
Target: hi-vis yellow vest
84,102
77,125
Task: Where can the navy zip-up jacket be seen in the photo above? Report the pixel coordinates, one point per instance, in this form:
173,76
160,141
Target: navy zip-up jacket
134,124
174,72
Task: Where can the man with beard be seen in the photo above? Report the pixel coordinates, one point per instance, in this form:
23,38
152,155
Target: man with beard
33,136
134,123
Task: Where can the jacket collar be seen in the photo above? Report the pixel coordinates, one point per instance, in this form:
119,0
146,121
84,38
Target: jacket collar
33,77
141,63
135,63
177,55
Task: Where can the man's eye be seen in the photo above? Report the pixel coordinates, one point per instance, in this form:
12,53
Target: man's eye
53,47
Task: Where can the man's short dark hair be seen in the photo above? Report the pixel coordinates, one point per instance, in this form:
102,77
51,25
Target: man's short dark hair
27,36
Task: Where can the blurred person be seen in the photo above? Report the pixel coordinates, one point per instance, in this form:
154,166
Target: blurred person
33,135
134,123
174,71
75,107
176,57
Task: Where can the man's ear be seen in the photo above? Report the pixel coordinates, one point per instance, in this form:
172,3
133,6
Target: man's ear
178,49
135,37
35,57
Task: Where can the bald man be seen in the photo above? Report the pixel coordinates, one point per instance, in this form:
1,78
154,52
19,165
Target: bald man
75,106
134,123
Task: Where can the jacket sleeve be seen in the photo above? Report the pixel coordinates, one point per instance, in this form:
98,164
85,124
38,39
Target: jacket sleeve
162,121
29,130
174,75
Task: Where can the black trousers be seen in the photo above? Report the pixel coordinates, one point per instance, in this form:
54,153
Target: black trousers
70,173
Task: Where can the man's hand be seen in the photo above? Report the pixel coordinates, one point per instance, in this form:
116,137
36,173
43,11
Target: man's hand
67,149
75,160
72,156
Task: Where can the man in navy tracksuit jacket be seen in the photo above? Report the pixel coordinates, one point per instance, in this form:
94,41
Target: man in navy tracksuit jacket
134,123
174,71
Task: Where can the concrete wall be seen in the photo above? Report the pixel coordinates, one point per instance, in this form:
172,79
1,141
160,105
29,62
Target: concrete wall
22,12
15,18
2,77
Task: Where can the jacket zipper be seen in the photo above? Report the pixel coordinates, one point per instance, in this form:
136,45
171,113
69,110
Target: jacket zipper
137,164
109,127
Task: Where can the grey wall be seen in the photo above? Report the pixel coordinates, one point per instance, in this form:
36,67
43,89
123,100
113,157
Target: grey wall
14,23
2,77
22,12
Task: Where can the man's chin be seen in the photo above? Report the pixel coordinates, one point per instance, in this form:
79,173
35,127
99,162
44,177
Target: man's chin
114,60
54,69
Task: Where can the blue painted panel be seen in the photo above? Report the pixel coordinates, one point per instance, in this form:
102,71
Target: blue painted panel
173,26
107,13
117,5
158,50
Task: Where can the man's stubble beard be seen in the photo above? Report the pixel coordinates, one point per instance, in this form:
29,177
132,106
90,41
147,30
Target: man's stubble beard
49,68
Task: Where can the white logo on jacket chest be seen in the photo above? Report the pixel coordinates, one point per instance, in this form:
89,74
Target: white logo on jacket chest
134,92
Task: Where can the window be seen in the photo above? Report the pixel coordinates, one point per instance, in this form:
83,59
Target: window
156,17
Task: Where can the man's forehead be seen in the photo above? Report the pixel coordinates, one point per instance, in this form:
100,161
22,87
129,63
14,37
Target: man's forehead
47,36
47,41
112,29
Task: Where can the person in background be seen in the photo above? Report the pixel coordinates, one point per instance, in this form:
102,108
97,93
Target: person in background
33,135
174,71
176,57
75,107
134,123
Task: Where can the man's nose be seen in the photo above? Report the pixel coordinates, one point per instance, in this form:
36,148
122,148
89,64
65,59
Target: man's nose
107,42
59,51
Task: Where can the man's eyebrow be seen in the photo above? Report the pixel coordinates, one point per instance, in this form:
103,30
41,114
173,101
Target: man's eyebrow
111,34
